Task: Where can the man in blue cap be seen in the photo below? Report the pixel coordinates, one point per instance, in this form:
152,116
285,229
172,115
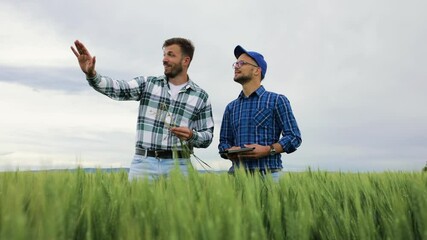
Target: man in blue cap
258,120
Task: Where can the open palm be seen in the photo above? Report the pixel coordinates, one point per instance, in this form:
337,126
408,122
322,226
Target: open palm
86,61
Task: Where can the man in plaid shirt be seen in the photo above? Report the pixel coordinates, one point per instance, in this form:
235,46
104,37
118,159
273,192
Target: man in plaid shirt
175,114
258,119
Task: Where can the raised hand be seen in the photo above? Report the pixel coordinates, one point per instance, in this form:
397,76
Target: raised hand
86,61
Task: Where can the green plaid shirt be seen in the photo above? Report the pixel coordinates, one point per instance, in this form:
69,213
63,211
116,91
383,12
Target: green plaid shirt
158,111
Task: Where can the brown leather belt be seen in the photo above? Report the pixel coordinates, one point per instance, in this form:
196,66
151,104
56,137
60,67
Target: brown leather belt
165,154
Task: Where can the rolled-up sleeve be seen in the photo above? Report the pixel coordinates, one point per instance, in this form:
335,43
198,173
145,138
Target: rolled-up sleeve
291,139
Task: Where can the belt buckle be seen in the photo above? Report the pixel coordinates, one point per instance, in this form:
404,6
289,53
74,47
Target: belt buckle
157,154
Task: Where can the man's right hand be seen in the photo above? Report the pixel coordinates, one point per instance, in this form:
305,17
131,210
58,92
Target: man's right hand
86,61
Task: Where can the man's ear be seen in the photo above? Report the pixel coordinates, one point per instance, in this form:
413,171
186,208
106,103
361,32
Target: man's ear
258,72
187,60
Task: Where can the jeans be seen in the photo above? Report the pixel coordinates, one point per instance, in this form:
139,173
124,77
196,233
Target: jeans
275,174
154,168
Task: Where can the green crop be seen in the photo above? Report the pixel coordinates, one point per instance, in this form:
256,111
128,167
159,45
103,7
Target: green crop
303,205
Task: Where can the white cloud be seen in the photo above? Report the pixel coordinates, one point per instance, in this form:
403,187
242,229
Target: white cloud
50,125
29,41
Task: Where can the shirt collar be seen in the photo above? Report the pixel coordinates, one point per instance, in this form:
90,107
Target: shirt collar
258,92
189,84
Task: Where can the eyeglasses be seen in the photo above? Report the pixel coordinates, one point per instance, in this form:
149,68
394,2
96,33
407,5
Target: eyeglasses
240,63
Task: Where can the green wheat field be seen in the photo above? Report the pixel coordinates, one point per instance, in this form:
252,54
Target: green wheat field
301,205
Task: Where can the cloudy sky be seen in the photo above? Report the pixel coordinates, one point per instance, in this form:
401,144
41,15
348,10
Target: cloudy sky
354,72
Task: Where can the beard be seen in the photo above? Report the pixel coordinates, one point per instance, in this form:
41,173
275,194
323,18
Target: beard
242,79
175,70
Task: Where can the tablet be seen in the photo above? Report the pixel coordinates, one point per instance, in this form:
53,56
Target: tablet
237,150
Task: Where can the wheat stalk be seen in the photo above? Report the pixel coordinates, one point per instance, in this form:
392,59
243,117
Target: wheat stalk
186,151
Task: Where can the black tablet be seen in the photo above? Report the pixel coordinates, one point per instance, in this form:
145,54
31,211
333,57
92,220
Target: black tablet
237,150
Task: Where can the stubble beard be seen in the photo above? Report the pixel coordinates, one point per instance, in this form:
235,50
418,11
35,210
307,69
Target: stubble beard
242,79
174,71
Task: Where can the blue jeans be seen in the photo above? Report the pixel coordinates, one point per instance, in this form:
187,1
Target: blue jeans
154,168
275,175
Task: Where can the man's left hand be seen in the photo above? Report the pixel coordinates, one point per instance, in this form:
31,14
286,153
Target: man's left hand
259,151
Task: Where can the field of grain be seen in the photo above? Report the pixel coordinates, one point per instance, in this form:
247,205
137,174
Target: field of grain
303,205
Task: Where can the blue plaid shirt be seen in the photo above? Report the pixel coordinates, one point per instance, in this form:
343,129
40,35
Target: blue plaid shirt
262,118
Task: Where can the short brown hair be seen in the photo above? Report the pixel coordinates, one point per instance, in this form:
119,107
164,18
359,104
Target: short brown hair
186,46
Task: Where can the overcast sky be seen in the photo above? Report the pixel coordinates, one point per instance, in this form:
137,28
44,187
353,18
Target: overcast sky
354,72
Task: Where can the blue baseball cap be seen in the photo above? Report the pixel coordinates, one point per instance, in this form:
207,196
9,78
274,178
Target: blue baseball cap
257,57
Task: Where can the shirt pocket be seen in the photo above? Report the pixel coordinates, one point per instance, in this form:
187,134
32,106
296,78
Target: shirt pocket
264,118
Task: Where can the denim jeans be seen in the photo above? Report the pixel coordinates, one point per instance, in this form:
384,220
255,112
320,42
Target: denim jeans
154,168
275,175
